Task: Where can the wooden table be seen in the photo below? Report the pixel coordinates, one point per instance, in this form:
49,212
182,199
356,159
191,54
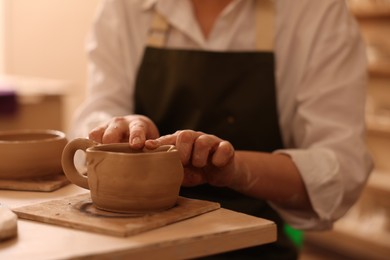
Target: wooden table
214,232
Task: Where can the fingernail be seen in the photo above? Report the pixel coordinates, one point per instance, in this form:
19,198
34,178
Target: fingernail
136,140
152,142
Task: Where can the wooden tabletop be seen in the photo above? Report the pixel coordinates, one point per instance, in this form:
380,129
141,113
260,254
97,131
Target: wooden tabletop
214,232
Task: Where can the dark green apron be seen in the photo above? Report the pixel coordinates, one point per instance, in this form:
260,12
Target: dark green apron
228,94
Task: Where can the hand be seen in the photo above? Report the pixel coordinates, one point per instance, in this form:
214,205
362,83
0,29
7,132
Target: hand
206,158
135,129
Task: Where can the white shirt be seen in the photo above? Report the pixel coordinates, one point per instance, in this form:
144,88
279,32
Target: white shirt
320,74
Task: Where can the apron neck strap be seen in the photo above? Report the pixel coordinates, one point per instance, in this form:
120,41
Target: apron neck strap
158,31
265,15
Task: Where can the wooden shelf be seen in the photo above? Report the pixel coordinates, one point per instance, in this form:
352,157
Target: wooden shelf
378,125
370,8
350,242
364,233
380,68
379,59
379,183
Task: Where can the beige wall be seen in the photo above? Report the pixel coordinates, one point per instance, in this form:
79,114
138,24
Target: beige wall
2,15
45,38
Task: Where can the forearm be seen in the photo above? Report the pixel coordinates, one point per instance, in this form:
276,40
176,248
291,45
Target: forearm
272,177
209,159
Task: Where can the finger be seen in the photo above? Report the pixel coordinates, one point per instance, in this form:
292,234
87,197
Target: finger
192,178
116,131
223,154
152,130
163,140
138,130
203,147
96,134
184,144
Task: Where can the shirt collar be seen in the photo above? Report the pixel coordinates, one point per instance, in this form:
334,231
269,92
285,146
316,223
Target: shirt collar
172,10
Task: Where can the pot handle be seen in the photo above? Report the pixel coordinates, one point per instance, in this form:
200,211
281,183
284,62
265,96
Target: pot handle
73,175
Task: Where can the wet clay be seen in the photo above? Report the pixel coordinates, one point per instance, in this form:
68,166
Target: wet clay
31,153
125,180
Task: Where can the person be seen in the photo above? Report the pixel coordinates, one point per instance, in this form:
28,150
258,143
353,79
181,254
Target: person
263,99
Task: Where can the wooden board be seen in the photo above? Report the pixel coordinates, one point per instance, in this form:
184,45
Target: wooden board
78,212
46,184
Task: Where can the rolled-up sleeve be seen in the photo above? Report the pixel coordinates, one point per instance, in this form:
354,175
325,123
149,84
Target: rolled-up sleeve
325,134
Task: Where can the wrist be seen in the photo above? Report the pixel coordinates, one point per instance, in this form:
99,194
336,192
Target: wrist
239,176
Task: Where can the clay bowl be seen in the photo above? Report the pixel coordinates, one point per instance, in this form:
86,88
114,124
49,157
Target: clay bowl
27,154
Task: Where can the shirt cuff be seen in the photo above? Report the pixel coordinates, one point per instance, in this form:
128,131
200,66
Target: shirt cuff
320,171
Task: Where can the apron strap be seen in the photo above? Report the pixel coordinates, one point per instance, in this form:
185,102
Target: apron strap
265,15
158,31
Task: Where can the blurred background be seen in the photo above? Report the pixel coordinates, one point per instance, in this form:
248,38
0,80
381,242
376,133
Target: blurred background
42,56
43,79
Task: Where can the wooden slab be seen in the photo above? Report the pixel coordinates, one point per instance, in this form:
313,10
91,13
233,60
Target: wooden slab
78,212
46,184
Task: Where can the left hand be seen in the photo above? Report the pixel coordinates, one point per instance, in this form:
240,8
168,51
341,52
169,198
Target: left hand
134,129
206,158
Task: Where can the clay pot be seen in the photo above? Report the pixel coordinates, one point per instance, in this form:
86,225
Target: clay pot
27,154
124,180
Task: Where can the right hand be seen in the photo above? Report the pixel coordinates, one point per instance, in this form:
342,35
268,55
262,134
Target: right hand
206,158
135,129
